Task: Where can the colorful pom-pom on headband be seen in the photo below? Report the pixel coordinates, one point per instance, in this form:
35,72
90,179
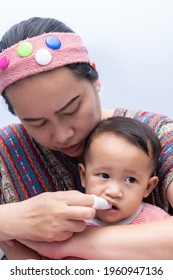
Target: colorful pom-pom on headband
39,54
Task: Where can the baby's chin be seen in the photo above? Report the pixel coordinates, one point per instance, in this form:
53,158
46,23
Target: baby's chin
109,216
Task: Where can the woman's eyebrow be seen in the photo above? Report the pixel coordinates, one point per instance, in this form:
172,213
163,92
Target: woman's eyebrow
68,104
32,119
58,111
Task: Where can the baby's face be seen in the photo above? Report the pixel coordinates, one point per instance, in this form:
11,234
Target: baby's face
118,171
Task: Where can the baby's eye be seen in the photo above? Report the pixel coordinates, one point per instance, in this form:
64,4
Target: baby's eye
103,175
130,180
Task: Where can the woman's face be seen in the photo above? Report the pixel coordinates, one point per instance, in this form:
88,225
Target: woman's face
57,109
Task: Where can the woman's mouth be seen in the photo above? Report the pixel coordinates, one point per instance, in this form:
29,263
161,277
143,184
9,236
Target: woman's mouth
72,150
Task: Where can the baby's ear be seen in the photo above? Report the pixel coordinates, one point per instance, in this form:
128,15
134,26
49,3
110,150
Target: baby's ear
152,183
81,169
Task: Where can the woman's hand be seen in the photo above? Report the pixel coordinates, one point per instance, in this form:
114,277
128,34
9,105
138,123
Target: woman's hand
19,252
58,250
51,216
69,248
52,250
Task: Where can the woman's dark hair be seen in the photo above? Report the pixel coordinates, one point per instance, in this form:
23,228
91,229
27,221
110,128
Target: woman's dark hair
134,131
37,26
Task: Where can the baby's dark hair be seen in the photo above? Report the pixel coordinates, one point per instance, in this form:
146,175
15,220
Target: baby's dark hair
136,132
36,26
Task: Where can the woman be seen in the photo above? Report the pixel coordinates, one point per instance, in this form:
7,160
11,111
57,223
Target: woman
49,82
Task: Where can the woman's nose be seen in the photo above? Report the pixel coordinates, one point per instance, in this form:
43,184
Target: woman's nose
62,134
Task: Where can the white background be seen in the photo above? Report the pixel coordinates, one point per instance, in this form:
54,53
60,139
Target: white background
131,42
88,269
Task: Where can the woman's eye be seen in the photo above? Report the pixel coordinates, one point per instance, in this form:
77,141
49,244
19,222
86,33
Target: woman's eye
130,180
103,175
71,111
39,125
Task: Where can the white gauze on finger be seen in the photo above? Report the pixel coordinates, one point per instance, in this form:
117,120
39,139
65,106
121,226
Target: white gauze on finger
100,203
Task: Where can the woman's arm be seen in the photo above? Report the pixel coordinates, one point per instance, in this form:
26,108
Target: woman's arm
141,241
133,242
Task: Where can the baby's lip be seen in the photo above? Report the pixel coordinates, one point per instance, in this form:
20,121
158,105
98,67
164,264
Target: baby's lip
114,205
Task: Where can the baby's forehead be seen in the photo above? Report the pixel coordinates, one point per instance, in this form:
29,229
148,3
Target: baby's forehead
112,141
98,136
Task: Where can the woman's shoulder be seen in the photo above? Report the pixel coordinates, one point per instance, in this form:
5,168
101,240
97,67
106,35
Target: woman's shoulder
13,136
131,113
142,115
11,131
8,127
162,124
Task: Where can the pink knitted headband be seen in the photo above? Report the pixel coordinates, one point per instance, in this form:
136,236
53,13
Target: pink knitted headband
39,54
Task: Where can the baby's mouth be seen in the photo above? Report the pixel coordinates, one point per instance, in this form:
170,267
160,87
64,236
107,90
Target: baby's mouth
114,206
